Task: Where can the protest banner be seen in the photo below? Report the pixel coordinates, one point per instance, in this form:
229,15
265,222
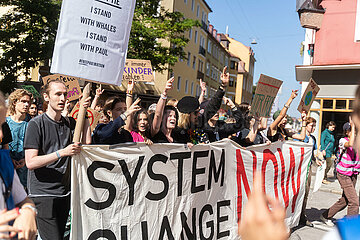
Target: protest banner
135,191
72,85
93,115
138,70
266,91
32,90
92,39
308,96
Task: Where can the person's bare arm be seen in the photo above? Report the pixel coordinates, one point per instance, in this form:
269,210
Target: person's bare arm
302,134
26,222
273,125
250,138
130,114
129,102
160,108
203,91
99,91
34,161
262,123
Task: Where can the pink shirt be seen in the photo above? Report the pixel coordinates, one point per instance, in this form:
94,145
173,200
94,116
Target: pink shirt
349,163
136,137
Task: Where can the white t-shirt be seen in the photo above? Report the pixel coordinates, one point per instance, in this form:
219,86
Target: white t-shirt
18,192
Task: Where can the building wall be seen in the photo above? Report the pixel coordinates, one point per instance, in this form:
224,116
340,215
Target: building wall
245,77
335,42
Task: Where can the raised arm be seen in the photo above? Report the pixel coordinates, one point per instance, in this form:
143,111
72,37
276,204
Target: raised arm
155,128
254,123
302,134
134,107
99,91
203,91
283,112
129,102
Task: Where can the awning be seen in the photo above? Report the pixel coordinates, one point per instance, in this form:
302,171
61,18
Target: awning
305,72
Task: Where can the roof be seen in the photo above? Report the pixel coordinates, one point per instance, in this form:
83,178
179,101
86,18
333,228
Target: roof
207,5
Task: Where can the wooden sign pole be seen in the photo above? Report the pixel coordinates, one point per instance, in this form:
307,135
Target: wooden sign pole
81,115
77,133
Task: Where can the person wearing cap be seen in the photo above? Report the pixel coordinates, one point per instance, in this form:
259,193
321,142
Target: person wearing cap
277,129
218,129
347,172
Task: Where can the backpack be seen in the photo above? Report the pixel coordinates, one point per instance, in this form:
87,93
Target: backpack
7,175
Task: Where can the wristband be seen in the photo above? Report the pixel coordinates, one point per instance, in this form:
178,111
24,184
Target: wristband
286,106
129,95
32,208
123,116
58,155
163,96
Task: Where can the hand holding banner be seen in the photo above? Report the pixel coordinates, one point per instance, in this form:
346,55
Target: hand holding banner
266,91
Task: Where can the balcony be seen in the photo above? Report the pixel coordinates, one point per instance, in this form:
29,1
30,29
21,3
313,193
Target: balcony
202,51
204,26
200,75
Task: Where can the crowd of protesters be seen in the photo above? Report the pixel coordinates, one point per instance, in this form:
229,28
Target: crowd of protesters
39,146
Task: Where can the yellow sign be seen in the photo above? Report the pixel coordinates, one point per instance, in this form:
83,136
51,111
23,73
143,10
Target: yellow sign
138,70
72,85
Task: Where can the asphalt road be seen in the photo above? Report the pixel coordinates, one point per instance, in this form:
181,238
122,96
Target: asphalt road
317,203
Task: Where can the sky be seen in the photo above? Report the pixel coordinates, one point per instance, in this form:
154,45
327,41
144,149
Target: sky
276,28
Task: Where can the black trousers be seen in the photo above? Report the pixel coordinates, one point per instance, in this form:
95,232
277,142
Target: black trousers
52,216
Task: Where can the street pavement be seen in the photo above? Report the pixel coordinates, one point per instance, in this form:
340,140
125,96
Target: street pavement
318,202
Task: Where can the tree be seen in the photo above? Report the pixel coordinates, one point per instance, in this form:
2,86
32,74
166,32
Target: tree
27,37
152,23
28,34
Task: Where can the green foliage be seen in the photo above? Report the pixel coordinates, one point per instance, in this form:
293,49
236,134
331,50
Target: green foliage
27,36
152,23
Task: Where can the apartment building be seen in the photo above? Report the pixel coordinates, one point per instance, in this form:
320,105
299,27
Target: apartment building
331,47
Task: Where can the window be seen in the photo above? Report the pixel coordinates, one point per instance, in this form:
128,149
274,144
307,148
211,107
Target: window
179,83
190,33
194,63
200,66
226,61
231,82
192,89
340,104
197,90
209,47
202,41
328,104
192,5
197,11
186,86
185,1
188,58
207,69
195,37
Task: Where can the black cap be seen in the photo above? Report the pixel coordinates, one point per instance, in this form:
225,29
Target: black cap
347,127
188,104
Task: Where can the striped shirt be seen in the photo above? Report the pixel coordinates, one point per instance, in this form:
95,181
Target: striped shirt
349,163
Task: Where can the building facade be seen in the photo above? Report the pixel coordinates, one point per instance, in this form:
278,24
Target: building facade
331,58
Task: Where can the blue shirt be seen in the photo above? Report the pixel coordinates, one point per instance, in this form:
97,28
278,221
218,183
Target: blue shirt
18,134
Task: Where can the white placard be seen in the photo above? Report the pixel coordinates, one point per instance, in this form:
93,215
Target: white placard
165,190
92,39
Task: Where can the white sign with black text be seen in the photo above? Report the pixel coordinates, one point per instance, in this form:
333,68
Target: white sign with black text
92,39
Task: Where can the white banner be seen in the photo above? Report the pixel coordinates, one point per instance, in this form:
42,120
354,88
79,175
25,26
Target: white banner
166,191
92,39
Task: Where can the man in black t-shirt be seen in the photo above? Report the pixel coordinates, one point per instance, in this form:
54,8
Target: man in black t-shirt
48,148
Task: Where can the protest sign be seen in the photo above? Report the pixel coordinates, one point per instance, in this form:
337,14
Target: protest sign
92,115
32,90
92,39
266,91
72,85
308,96
138,70
138,191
